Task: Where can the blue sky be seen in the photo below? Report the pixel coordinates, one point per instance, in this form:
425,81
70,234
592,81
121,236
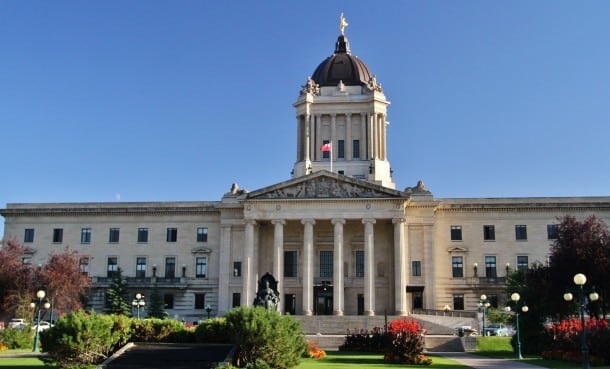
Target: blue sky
175,100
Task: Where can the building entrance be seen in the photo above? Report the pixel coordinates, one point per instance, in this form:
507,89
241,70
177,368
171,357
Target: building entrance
323,299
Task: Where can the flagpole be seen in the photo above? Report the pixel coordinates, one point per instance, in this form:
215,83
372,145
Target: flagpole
331,157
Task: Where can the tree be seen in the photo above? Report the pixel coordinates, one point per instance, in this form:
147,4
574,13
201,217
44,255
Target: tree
63,281
582,247
16,280
117,295
155,304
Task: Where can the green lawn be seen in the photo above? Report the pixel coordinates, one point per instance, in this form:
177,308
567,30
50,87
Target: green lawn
335,359
22,363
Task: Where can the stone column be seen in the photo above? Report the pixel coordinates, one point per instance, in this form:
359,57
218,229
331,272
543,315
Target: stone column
308,266
369,267
278,259
333,132
400,268
226,269
307,143
338,298
372,136
348,137
364,145
248,288
318,138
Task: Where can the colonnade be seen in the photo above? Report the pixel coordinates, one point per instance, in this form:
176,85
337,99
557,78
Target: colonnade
400,256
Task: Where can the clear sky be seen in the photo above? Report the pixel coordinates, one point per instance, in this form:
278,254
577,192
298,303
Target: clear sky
175,100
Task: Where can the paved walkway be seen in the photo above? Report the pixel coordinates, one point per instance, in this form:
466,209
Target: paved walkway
482,362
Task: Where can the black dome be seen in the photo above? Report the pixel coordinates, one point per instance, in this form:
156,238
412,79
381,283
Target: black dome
342,66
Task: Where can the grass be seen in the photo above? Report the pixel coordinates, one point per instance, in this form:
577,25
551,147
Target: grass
500,348
22,363
339,360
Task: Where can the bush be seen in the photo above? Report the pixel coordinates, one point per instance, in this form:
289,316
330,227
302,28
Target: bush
407,342
79,338
563,340
212,330
17,338
376,340
264,336
160,330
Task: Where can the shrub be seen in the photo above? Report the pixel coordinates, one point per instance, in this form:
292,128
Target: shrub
563,339
212,330
17,338
407,342
159,330
314,351
376,340
265,336
79,338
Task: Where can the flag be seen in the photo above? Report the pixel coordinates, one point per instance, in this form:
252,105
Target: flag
326,147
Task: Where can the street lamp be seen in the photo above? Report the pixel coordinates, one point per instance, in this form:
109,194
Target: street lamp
39,304
580,280
483,306
208,310
138,303
515,297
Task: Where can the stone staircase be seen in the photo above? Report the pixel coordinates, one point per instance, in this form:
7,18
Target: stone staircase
441,331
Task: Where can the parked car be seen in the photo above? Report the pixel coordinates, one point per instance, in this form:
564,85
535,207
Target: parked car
497,329
43,326
16,323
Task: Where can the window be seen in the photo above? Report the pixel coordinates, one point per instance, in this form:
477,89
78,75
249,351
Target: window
200,301
237,269
170,267
325,154
202,234
236,299
112,266
489,233
28,235
113,236
522,263
326,264
142,235
458,302
58,235
83,265
340,149
168,301
416,268
201,266
140,267
360,263
290,263
457,266
521,232
356,149
85,235
490,267
456,233
551,231
172,235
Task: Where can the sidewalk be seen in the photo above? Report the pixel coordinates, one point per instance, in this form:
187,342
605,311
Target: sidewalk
482,362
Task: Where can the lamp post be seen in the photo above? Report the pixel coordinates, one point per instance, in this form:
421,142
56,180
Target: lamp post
138,303
483,306
208,309
580,280
515,297
39,304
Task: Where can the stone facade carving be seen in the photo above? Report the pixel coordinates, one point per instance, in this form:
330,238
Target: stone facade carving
323,187
310,87
373,85
267,295
420,188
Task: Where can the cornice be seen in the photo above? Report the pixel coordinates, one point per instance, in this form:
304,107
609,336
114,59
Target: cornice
106,210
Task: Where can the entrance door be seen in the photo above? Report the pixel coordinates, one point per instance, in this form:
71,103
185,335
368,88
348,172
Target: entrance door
323,300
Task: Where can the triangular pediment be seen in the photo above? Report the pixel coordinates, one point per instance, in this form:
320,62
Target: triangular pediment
324,185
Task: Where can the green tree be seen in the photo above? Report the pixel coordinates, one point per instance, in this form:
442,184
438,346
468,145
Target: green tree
155,304
117,295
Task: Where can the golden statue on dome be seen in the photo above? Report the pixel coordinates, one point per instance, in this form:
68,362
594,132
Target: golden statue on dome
342,24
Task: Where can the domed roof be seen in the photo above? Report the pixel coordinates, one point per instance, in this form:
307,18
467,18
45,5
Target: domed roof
342,66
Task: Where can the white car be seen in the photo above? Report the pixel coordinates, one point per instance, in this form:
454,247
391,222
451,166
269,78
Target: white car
43,326
497,329
16,323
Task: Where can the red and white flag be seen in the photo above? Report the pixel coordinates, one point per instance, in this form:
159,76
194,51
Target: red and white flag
326,147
